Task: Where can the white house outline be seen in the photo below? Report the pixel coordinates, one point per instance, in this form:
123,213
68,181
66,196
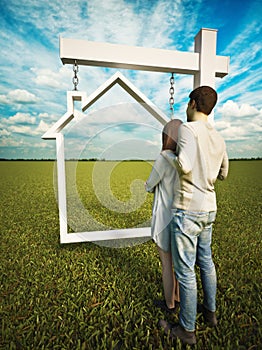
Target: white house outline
55,133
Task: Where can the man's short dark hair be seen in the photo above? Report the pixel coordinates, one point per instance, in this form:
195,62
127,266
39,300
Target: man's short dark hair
205,98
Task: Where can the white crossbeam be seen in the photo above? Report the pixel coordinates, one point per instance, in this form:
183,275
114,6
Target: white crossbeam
148,59
91,53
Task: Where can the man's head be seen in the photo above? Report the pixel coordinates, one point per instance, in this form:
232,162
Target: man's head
202,99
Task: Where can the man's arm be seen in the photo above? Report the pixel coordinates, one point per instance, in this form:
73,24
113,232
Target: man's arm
223,172
186,151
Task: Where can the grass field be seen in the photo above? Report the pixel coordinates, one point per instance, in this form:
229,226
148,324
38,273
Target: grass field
86,296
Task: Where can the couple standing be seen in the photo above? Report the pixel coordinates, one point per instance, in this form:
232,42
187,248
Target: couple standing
193,156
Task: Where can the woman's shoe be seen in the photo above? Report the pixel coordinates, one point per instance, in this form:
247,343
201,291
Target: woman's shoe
162,305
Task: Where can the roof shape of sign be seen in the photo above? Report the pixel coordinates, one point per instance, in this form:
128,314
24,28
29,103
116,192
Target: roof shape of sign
117,78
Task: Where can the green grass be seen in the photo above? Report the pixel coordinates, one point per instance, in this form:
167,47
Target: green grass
85,296
125,202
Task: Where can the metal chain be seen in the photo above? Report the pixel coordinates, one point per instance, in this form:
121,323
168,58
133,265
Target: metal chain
75,78
171,92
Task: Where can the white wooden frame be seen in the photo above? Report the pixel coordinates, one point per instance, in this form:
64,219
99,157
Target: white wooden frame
203,64
55,133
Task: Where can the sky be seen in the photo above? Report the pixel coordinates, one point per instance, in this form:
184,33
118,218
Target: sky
34,82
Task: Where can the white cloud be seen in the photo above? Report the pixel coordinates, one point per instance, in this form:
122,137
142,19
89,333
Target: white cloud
51,118
25,145
234,133
21,129
239,122
43,115
21,118
28,129
231,109
22,96
49,78
222,124
18,96
42,127
4,132
42,145
10,142
25,124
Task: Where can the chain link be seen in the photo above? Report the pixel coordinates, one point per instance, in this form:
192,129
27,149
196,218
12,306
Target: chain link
171,92
75,78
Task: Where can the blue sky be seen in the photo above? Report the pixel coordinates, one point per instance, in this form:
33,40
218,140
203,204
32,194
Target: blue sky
34,82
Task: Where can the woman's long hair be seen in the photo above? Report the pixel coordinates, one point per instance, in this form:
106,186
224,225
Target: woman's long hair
170,134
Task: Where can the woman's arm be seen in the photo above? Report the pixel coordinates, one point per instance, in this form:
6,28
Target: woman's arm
156,174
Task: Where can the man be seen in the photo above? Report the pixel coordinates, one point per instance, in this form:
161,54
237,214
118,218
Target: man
201,159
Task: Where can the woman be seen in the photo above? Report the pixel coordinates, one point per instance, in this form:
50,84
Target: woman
161,181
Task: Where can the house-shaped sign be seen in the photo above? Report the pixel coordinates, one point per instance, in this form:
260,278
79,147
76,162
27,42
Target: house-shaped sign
54,133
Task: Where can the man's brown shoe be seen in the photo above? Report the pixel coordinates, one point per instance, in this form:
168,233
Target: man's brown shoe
178,332
185,336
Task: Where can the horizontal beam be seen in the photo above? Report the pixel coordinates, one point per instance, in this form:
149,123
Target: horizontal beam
222,66
131,57
96,236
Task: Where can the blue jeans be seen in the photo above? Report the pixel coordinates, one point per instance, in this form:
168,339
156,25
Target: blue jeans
191,244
